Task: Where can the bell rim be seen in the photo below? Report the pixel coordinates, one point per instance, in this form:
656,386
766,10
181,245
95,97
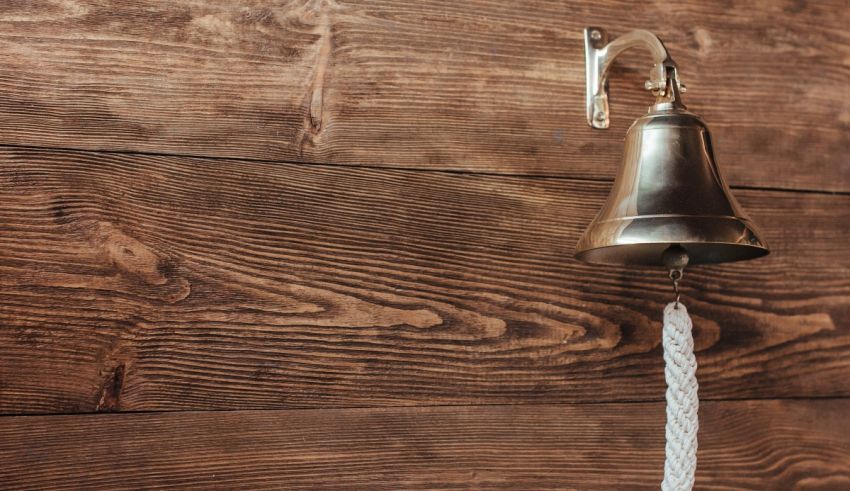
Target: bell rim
753,252
731,239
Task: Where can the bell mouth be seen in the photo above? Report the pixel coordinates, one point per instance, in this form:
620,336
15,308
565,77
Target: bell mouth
650,254
642,240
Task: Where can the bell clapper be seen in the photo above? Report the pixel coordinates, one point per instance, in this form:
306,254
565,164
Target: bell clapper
675,258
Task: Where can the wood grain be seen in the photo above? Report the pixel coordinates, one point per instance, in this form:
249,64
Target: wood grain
757,445
141,283
478,85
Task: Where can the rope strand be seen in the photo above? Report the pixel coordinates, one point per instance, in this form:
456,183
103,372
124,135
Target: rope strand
680,367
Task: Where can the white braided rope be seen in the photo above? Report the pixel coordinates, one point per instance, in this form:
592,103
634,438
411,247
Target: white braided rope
680,371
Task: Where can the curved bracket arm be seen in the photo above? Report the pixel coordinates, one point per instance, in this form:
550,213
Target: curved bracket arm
600,54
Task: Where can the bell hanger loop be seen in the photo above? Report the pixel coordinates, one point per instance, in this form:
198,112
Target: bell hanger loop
675,258
600,55
671,96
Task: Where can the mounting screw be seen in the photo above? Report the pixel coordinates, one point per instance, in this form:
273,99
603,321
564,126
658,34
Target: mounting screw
600,116
595,35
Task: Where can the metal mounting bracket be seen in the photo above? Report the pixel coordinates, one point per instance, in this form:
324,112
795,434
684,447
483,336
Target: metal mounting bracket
599,54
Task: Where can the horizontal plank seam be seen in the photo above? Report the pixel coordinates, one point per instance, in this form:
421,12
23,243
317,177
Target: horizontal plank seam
424,406
385,167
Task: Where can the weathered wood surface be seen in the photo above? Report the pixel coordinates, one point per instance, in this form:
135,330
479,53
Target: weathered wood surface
756,445
166,283
476,85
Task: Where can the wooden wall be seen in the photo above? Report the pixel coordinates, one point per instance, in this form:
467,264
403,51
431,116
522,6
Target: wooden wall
328,245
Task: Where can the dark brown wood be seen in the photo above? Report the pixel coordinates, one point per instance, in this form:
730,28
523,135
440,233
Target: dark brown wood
140,283
756,445
382,213
477,85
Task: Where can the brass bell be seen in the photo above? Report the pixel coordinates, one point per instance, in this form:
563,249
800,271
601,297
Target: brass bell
669,193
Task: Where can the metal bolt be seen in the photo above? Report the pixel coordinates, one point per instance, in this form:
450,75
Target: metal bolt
595,35
654,85
600,116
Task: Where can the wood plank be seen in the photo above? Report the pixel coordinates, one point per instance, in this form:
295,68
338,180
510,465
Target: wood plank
141,283
757,445
475,85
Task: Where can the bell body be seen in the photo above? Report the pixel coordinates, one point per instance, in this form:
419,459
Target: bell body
669,191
